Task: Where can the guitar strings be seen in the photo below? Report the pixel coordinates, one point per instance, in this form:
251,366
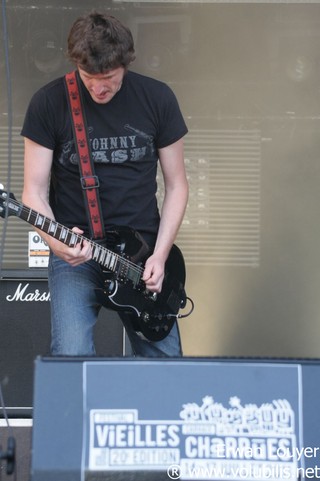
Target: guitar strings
119,259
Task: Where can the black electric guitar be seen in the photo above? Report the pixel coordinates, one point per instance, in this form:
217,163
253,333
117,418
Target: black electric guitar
123,266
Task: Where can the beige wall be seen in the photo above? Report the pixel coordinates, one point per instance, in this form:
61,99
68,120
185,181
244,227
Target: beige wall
236,68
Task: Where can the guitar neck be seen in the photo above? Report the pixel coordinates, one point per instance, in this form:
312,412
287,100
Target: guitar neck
103,256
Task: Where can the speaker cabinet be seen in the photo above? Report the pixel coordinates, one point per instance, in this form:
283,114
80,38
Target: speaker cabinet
160,419
25,334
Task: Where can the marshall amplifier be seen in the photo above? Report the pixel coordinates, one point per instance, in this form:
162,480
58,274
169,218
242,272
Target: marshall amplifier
25,334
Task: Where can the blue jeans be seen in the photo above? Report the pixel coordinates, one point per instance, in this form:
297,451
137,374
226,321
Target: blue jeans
75,309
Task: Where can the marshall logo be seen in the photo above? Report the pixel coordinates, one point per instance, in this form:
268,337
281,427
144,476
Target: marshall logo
23,295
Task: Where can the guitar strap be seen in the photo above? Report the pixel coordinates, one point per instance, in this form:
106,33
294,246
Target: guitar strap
89,181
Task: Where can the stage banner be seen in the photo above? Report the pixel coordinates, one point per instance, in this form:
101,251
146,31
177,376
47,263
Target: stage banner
193,420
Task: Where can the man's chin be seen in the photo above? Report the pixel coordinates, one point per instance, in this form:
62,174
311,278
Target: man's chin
103,99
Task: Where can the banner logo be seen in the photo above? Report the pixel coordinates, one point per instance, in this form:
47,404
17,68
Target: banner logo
208,441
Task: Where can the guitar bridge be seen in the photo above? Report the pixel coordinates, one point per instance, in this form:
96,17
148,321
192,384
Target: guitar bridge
152,296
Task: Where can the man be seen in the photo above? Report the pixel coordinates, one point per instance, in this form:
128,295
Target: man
133,123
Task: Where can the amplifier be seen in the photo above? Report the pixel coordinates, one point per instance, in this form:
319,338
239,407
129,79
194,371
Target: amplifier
25,334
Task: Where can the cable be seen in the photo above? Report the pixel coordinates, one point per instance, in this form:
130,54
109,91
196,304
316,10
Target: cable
4,409
9,117
9,455
181,316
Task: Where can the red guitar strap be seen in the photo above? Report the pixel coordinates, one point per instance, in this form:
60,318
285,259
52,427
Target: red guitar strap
89,181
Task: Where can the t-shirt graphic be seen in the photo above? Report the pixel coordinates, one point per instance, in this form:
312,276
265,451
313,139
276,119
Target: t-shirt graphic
115,150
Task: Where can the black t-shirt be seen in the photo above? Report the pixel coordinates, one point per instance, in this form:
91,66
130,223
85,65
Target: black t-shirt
124,135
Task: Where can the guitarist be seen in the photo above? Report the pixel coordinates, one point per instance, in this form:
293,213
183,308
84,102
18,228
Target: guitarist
134,123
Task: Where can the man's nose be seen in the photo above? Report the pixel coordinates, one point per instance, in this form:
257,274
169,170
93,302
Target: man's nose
98,87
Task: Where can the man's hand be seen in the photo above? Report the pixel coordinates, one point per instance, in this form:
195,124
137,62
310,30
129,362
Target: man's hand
153,274
76,255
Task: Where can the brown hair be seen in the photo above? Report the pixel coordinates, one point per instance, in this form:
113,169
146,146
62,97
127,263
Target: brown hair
98,43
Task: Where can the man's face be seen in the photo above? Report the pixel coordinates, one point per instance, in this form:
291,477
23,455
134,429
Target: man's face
103,87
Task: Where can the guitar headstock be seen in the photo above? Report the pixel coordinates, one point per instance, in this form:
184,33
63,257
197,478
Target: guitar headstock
6,208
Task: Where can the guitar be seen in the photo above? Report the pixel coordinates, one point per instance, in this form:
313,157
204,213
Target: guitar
123,266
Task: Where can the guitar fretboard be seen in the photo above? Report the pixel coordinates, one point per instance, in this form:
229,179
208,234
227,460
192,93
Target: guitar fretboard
124,268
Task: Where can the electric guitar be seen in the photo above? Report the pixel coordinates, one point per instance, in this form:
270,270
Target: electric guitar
123,266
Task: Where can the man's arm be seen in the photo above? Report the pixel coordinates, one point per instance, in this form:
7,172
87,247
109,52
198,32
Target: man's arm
37,168
173,209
